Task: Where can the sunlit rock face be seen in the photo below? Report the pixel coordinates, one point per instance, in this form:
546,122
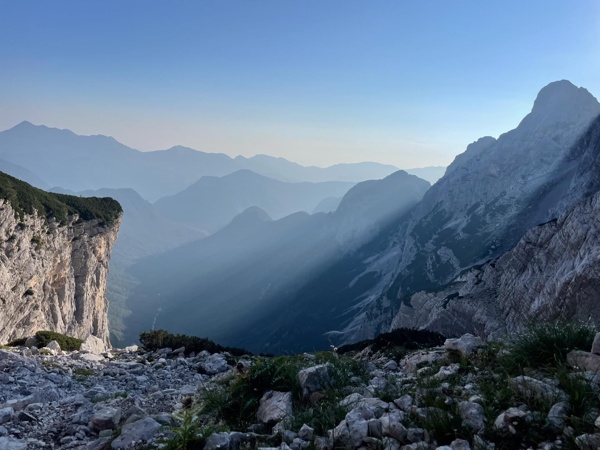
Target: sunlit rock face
489,197
53,277
552,273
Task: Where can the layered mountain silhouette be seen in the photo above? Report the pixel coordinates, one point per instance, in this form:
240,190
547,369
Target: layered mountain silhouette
212,202
78,163
255,264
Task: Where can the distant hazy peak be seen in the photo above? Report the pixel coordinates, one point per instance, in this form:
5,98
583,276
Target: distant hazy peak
251,216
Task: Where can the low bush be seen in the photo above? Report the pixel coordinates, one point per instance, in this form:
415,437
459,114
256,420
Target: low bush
157,339
403,338
66,343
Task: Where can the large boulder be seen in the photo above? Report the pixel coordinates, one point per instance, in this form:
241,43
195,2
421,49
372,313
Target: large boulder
94,345
585,361
472,415
106,419
465,345
134,432
274,407
315,379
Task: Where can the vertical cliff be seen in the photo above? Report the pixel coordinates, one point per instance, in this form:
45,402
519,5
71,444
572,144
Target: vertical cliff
54,255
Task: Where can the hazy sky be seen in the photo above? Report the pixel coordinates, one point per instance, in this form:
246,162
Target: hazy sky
409,83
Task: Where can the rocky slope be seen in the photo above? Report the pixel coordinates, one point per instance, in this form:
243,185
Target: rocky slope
54,263
460,396
552,273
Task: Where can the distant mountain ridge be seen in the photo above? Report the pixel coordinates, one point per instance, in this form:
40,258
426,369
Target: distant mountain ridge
212,202
78,163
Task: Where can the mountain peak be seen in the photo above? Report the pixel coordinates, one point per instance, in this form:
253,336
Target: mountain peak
561,94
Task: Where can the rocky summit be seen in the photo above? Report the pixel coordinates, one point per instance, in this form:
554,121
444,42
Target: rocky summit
538,391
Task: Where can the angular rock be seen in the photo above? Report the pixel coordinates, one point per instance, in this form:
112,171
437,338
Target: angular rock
465,345
217,441
315,379
6,414
536,389
510,420
106,419
54,345
215,364
142,430
392,427
306,433
557,415
472,414
585,361
358,427
588,441
93,344
274,406
8,443
460,444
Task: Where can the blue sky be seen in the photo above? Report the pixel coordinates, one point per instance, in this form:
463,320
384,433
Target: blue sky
409,83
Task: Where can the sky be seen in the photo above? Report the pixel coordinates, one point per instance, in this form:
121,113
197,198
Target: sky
409,83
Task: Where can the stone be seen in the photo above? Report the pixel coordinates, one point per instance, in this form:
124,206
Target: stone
215,364
26,417
557,415
274,406
391,366
306,433
472,415
136,432
588,441
413,362
9,443
585,361
315,379
460,444
217,441
404,403
131,348
93,344
596,345
6,414
106,419
358,427
54,345
465,345
91,357
446,372
510,420
392,427
537,390
98,444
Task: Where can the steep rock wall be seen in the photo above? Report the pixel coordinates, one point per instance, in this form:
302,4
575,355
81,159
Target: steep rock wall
53,277
552,273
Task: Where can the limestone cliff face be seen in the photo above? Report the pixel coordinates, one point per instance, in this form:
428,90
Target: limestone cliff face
53,277
552,273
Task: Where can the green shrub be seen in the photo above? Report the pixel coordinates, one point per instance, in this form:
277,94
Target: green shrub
17,342
157,339
67,343
398,341
25,198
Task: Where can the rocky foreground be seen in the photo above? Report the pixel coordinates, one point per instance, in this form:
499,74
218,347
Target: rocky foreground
463,395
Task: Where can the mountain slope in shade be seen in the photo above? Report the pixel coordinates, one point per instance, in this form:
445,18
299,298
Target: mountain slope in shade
237,277
485,202
212,202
